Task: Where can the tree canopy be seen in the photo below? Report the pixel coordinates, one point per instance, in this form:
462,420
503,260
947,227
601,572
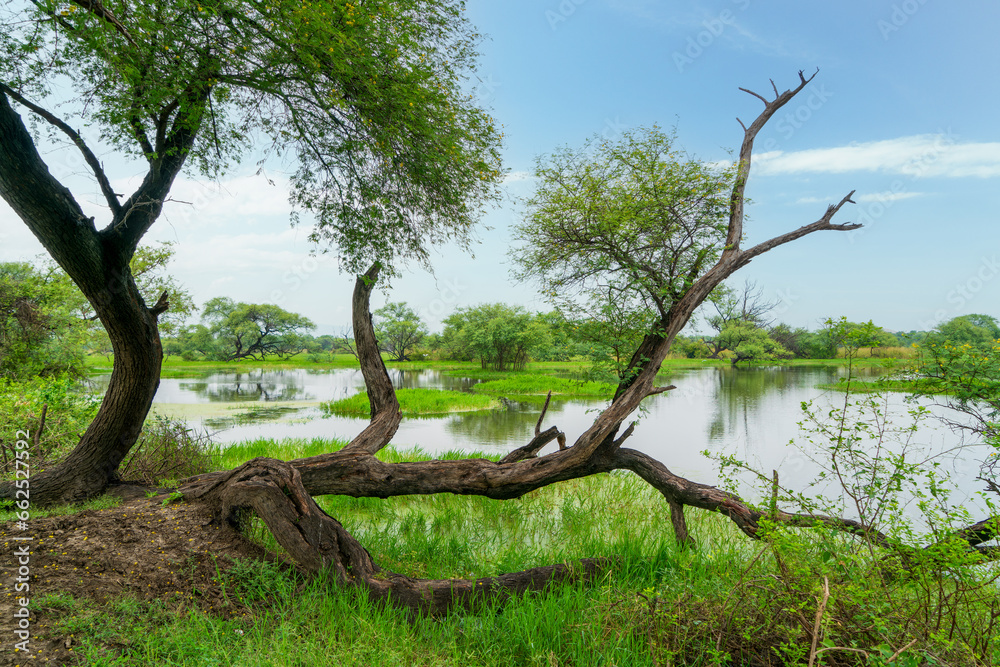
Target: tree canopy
634,218
41,332
499,335
398,329
253,330
363,102
365,97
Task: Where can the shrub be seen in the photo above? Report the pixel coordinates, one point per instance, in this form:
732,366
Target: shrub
67,413
166,450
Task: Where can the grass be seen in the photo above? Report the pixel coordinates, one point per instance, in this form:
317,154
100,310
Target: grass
415,402
729,601
524,384
100,503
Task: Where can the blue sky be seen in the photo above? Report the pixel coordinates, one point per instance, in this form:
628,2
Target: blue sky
903,110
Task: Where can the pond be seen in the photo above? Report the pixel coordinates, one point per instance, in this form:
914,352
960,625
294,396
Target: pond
752,414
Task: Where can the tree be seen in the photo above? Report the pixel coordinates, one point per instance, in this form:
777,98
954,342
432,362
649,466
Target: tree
40,331
392,156
398,329
977,331
280,492
634,218
852,337
500,336
253,330
747,305
748,342
794,340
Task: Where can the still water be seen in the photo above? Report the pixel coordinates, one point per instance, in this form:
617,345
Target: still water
753,414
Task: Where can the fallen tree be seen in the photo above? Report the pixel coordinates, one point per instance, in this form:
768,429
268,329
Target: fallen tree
280,493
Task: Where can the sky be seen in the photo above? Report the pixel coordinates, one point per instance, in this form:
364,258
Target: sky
903,111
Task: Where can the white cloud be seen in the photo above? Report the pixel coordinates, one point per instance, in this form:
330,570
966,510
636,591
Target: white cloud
923,155
887,196
517,177
884,197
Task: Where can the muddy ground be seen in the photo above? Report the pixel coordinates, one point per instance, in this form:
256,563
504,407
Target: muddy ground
141,548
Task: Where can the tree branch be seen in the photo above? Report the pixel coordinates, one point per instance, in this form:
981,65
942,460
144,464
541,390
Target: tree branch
735,232
97,9
88,155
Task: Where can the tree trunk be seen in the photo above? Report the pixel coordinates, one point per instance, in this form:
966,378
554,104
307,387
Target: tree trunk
98,262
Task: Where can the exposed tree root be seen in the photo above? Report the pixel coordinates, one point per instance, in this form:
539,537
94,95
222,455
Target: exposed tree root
316,541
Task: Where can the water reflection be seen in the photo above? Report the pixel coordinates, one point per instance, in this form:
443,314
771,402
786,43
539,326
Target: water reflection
751,413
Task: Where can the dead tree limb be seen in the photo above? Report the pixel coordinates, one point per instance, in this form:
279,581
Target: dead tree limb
316,541
281,493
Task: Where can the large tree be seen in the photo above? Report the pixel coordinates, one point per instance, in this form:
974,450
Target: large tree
280,492
399,329
501,336
366,98
254,330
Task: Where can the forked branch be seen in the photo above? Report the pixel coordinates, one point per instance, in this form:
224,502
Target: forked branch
95,165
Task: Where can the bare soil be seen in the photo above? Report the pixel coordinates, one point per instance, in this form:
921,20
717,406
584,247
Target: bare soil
141,549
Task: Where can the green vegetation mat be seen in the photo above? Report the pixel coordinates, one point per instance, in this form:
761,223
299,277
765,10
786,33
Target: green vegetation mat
415,402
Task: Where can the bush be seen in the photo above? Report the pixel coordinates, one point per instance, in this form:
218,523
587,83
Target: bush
67,413
166,450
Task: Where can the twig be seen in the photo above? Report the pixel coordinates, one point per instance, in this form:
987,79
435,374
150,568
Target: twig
538,424
819,618
897,653
41,426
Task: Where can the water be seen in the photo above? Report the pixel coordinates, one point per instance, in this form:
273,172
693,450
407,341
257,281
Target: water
752,414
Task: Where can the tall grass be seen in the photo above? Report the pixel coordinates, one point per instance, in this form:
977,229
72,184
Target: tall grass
523,384
728,601
415,402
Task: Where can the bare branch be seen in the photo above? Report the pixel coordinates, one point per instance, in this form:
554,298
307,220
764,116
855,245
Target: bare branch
88,155
823,223
659,390
161,306
735,233
530,450
538,425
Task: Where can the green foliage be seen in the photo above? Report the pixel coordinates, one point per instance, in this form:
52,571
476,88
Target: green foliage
249,330
68,412
748,342
977,331
502,337
398,329
148,267
611,332
887,592
848,338
392,155
635,216
40,331
415,402
616,232
969,373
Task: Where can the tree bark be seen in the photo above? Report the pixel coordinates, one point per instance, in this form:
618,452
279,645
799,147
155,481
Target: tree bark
98,262
316,541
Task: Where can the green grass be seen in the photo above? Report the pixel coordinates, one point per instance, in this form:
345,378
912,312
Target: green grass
729,601
524,384
98,503
415,402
